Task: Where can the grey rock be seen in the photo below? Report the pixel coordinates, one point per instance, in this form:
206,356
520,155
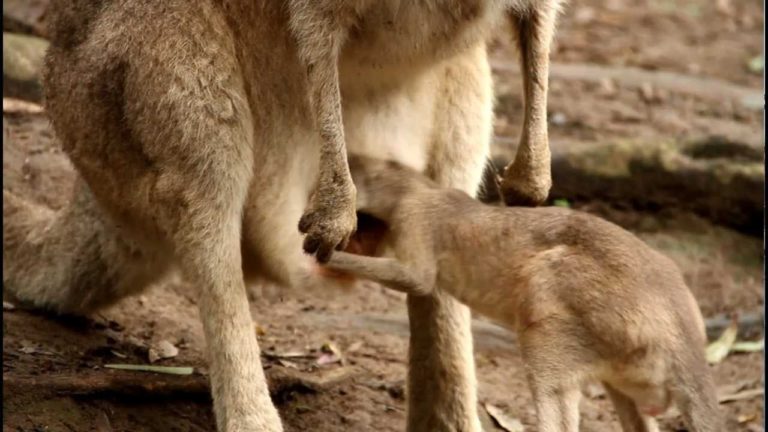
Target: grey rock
22,64
25,16
718,179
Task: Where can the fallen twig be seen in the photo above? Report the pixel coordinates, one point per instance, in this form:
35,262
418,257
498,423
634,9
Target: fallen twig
490,335
170,370
750,323
281,381
674,412
109,382
742,395
502,420
20,106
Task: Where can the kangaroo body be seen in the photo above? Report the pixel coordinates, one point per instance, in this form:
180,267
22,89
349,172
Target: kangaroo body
204,131
587,299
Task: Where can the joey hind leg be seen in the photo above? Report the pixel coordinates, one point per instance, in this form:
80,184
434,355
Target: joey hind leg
554,361
630,418
527,180
695,394
442,388
557,408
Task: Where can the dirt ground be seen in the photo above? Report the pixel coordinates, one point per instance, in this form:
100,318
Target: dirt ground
53,367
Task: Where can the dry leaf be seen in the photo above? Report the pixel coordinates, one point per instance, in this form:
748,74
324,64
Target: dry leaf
118,354
746,418
594,391
672,413
29,349
330,348
102,423
756,64
742,395
288,364
260,331
719,349
133,340
647,92
748,346
509,424
11,105
326,359
331,354
288,354
735,387
355,346
724,7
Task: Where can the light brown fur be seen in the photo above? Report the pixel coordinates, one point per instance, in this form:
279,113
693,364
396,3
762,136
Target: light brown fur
588,300
205,130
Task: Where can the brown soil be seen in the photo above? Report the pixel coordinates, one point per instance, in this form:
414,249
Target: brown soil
51,365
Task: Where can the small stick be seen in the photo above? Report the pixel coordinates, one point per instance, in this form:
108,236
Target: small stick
750,324
127,383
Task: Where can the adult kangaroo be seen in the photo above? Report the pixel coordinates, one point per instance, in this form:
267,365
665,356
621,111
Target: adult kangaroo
204,131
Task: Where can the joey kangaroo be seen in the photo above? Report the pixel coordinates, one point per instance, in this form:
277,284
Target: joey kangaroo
588,300
203,131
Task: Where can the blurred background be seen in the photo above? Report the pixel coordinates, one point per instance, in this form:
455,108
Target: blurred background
656,123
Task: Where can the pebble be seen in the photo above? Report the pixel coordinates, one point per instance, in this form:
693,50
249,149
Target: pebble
162,350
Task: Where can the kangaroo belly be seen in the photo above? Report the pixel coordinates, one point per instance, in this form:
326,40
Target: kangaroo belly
392,117
423,32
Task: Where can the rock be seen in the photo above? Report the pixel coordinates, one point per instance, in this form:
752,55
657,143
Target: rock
25,16
6,130
717,179
724,7
584,15
22,63
34,167
607,87
163,350
646,92
594,391
359,420
18,106
558,119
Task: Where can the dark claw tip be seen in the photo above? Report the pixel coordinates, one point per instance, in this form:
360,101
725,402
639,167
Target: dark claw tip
304,224
311,244
515,199
324,255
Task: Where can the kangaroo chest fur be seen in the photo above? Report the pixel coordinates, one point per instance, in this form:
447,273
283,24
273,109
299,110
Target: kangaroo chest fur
390,66
398,33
